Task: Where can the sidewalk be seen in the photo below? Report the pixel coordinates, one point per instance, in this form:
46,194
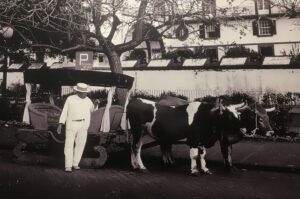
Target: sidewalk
265,155
249,154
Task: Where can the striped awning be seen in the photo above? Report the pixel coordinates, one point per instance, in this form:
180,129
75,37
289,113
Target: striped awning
159,63
236,61
194,62
15,66
129,63
283,60
36,65
56,65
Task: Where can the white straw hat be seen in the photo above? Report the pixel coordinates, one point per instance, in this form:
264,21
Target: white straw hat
81,87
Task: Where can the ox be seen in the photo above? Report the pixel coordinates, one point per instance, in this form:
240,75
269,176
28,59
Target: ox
255,119
201,123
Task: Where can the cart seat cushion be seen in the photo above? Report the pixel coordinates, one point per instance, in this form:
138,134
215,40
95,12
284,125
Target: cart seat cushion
115,113
43,115
172,101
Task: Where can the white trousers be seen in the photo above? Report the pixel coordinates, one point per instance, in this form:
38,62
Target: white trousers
76,134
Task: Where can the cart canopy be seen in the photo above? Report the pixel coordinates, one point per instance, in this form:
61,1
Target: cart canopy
70,77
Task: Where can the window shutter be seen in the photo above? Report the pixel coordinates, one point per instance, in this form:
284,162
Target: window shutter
255,7
213,4
218,32
202,31
255,28
182,32
273,25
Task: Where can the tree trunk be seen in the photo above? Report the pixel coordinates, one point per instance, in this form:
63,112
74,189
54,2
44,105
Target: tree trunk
116,67
4,78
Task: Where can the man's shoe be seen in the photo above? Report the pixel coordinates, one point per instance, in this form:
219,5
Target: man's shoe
76,167
68,169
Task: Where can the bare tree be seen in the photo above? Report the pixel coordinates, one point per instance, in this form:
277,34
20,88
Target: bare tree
65,26
290,6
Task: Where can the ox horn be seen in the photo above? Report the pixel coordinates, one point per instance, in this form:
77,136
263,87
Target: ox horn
268,110
237,106
243,108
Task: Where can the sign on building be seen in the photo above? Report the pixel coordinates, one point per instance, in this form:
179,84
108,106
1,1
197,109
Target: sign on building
84,60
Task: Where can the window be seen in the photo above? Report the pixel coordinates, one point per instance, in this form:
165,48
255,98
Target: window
156,54
140,54
264,27
182,32
263,4
210,31
212,54
209,7
266,50
101,58
159,10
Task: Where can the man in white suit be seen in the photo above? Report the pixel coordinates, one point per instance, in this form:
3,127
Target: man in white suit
76,114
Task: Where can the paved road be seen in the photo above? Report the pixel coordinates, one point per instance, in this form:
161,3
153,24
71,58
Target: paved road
117,180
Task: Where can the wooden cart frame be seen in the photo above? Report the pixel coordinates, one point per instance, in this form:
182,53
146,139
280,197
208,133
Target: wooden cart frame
69,77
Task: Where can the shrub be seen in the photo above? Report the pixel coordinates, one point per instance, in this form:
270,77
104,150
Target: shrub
240,51
234,98
272,98
145,95
169,93
16,90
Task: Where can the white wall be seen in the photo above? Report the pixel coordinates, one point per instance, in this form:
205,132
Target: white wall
197,83
214,82
288,48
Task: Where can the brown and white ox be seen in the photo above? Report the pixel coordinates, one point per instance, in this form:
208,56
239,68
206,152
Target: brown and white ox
201,123
254,117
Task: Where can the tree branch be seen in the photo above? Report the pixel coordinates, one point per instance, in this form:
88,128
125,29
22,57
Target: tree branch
138,29
82,47
116,22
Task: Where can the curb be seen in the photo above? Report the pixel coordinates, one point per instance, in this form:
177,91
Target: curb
256,167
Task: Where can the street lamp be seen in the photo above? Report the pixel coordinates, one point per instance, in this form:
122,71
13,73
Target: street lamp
7,32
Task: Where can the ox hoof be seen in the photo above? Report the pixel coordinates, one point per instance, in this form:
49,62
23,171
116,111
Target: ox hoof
141,170
207,172
144,170
231,169
167,166
195,173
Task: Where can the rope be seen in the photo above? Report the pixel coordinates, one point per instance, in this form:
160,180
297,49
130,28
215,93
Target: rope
55,139
253,132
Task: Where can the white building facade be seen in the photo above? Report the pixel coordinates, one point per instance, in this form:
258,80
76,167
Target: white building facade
258,25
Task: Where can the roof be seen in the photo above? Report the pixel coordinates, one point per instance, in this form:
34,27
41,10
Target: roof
233,61
72,77
129,63
282,60
194,62
159,63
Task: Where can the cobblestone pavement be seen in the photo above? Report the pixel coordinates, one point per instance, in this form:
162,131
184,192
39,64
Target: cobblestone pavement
117,180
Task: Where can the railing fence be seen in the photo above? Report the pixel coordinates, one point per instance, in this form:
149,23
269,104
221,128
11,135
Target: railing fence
190,94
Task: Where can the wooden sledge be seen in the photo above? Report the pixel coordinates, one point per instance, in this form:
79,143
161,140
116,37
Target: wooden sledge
44,119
